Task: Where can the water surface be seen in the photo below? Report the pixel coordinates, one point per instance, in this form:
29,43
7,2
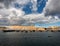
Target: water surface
29,39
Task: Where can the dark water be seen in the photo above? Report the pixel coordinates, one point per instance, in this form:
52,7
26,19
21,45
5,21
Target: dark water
30,39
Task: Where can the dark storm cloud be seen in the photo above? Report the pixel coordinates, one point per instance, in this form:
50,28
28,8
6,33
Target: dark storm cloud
53,8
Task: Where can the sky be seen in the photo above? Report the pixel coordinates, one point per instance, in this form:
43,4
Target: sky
40,13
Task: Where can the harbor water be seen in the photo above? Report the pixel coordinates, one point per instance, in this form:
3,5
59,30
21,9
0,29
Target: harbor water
29,38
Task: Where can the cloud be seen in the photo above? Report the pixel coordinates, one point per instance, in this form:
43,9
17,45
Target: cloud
9,15
22,2
34,6
53,8
32,19
6,3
